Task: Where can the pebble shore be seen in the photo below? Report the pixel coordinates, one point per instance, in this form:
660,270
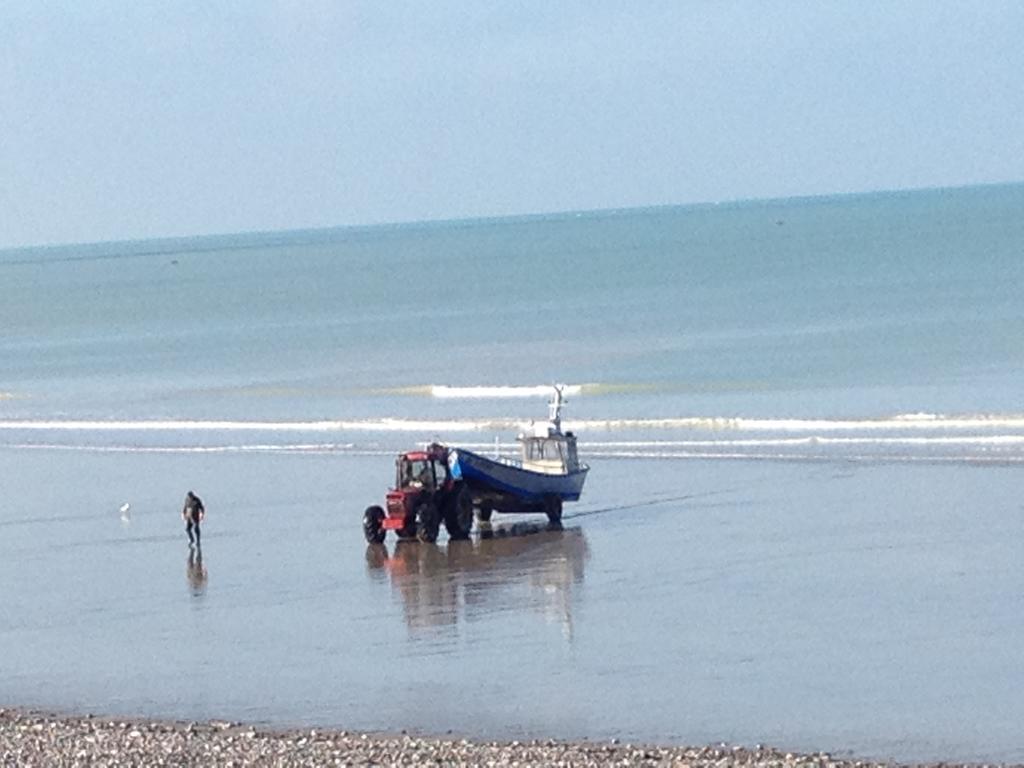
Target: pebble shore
40,739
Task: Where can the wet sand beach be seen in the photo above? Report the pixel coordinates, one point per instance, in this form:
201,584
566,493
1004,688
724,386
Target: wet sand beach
863,610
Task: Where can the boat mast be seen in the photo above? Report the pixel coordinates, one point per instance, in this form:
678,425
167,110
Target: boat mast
555,410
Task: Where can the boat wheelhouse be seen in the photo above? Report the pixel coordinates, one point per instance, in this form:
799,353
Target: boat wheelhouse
547,473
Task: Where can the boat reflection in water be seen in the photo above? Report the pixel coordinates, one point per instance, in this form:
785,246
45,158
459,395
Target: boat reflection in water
514,569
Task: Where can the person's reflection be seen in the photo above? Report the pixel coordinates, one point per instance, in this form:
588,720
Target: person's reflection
514,568
196,572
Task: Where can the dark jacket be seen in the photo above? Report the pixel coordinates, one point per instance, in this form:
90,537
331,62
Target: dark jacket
193,509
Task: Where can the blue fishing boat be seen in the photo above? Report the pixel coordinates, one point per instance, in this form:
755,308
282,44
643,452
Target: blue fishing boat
547,473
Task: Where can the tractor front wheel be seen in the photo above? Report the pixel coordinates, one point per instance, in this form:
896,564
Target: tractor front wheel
373,525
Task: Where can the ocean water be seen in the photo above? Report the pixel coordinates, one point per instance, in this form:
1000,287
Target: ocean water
801,525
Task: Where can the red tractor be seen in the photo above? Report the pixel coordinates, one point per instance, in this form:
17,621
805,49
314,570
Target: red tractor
424,496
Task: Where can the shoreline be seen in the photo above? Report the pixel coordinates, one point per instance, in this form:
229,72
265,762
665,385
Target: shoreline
37,738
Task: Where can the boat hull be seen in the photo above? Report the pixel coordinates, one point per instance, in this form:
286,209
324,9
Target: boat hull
533,487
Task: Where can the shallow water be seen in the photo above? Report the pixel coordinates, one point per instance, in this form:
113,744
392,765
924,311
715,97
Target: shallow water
863,608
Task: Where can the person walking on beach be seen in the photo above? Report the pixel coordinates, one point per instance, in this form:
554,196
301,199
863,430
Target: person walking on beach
192,513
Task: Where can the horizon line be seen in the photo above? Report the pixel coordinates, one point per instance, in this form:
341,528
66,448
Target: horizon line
499,218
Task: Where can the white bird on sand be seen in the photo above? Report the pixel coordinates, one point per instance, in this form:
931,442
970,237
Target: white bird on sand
126,514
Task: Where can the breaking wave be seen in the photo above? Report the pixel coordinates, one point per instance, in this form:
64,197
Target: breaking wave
511,391
452,393
918,423
903,437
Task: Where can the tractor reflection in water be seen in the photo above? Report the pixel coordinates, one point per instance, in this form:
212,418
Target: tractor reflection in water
513,569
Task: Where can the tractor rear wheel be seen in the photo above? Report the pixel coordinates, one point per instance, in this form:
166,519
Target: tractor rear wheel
459,515
373,525
428,521
553,509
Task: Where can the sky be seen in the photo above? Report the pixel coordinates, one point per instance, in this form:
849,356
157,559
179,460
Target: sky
130,120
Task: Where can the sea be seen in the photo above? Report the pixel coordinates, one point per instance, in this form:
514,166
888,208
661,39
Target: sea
803,524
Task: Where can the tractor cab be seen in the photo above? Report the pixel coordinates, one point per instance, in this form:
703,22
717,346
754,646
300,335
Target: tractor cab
421,471
423,496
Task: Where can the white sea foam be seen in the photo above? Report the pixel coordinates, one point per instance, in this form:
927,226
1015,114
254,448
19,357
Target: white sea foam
958,448
511,391
899,458
369,425
447,392
705,452
321,448
901,423
740,424
900,438
811,440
